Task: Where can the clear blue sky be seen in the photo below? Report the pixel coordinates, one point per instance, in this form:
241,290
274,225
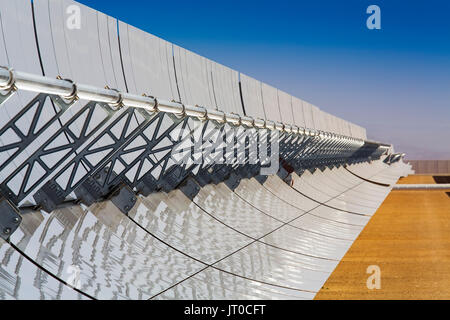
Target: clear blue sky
394,81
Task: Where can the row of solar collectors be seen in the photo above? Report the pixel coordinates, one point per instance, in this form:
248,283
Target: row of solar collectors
265,240
38,38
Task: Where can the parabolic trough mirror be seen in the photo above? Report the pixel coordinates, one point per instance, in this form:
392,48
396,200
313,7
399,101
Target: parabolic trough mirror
130,170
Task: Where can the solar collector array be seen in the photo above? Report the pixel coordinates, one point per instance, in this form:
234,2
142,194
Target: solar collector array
108,52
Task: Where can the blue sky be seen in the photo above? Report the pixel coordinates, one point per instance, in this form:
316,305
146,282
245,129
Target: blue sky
394,81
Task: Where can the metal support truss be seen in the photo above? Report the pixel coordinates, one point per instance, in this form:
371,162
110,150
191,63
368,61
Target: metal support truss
73,142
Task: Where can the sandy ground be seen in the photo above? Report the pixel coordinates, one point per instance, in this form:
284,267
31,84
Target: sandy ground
419,179
409,239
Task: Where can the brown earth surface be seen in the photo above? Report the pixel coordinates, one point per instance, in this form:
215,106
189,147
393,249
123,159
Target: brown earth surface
409,239
419,179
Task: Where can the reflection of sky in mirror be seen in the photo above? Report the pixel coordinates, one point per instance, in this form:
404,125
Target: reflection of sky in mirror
394,81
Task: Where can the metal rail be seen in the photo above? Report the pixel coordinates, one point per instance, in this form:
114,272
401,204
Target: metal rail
11,80
422,187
